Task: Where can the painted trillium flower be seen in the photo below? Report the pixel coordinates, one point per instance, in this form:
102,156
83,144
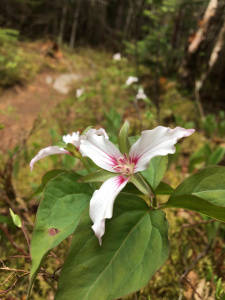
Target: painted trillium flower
131,80
141,94
156,142
79,92
73,138
117,56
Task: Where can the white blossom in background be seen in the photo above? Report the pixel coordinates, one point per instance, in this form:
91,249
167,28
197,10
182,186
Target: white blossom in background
159,141
79,92
131,79
141,94
117,56
73,138
49,79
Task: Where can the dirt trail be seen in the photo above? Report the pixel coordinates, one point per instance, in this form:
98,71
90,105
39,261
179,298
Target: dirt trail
19,107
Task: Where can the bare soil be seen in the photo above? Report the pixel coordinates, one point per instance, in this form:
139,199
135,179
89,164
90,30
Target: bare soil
20,106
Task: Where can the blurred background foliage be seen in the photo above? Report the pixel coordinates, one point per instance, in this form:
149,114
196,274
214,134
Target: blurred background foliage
176,48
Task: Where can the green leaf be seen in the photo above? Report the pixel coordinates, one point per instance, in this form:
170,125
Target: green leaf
203,192
16,219
45,179
164,189
216,156
219,288
51,174
124,144
142,185
98,176
135,245
130,188
63,204
156,170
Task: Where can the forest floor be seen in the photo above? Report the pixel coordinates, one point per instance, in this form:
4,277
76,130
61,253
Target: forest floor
35,115
20,106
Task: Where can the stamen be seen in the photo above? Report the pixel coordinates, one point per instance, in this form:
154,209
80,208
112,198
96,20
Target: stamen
124,165
121,160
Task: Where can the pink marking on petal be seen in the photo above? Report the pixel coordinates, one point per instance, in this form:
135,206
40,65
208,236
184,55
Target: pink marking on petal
120,180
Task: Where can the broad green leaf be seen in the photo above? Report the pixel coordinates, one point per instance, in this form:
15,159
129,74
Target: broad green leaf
156,170
203,192
45,179
51,174
164,189
16,219
134,246
131,189
124,144
64,202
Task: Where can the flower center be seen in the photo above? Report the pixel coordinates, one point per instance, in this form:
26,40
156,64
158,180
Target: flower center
124,165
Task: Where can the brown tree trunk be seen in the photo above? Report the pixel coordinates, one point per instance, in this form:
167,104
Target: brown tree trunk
62,23
75,22
205,55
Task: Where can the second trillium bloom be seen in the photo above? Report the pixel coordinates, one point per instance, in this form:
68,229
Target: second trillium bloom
131,79
74,138
156,142
141,95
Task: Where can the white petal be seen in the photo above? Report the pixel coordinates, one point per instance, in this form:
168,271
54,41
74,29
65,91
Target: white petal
100,150
117,56
101,205
45,152
73,138
131,79
100,131
159,141
141,94
79,92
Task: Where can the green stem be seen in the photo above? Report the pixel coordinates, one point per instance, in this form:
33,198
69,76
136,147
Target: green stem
85,164
89,171
154,202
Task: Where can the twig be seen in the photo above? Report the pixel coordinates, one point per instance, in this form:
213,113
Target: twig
8,278
25,234
200,256
3,263
14,284
20,256
191,285
44,272
11,240
197,223
60,267
56,257
184,226
14,270
183,276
